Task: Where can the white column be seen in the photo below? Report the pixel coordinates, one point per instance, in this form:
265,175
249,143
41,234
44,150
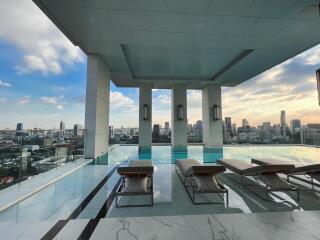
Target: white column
145,128
97,107
212,129
179,129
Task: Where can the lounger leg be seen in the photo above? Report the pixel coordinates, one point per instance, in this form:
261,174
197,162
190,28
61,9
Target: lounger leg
267,194
241,181
117,205
193,195
227,193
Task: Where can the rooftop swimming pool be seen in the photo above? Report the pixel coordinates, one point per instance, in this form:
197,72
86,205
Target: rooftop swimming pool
166,154
60,199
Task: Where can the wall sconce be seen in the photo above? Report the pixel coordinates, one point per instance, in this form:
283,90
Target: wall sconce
180,113
216,112
145,112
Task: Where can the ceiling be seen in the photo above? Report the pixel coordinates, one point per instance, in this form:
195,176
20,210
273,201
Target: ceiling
195,42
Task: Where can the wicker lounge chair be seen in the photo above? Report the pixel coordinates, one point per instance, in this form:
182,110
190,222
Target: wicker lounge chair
201,179
136,179
310,171
265,176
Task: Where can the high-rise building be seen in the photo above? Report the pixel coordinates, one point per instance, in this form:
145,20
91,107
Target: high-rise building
234,128
228,129
62,126
245,123
111,132
156,133
19,127
198,130
228,123
283,124
266,130
77,129
295,125
166,128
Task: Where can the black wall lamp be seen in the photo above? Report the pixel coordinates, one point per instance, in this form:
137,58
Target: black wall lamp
180,112
216,112
145,112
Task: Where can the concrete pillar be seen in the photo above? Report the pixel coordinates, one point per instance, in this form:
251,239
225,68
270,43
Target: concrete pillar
179,127
97,107
145,125
212,129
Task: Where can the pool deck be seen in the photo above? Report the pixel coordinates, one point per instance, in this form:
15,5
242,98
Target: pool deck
58,207
16,193
294,225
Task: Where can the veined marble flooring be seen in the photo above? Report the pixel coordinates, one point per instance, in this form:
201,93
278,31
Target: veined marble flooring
293,225
260,226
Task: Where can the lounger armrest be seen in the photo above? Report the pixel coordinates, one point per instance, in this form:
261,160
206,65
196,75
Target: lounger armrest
275,168
135,170
209,170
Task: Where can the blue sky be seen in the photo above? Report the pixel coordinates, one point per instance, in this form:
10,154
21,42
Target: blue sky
42,81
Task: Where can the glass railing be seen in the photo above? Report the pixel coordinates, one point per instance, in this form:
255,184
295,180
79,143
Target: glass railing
24,154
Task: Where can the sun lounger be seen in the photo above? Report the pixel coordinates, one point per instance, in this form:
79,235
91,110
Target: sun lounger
200,179
265,175
311,171
136,179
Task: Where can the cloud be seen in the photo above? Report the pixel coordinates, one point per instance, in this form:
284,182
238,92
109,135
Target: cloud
3,100
121,103
4,84
57,89
290,86
54,101
310,57
24,100
194,101
45,49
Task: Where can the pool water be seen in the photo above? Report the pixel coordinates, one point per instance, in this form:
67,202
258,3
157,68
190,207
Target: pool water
167,154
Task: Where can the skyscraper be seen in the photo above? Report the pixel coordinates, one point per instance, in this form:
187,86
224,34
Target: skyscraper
156,133
245,123
228,129
77,129
228,123
266,129
166,128
19,127
295,124
283,124
198,129
234,128
62,126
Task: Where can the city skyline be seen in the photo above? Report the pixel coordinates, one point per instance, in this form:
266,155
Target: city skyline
47,60
228,121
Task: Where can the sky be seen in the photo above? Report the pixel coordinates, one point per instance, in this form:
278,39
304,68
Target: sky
43,76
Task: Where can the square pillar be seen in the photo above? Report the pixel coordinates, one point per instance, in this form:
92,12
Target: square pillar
145,115
97,107
179,129
212,129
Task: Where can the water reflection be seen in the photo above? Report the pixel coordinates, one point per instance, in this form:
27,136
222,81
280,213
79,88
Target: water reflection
212,154
145,153
178,153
